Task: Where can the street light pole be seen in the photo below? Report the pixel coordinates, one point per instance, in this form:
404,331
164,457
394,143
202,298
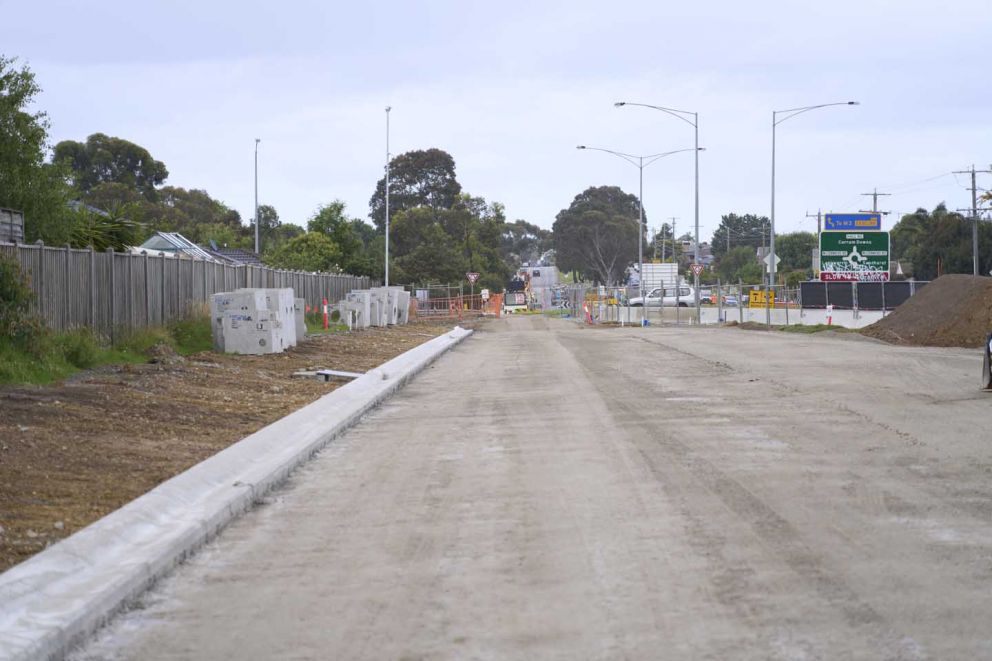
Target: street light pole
786,114
640,226
257,243
684,116
386,282
638,162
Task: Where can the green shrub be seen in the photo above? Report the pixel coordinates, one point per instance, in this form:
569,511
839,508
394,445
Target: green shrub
79,347
192,334
15,297
140,341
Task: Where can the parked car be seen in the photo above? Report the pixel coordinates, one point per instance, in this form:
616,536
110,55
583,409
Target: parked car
655,298
730,301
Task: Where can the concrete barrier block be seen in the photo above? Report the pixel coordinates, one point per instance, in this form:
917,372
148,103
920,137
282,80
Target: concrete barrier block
360,301
403,307
299,315
245,302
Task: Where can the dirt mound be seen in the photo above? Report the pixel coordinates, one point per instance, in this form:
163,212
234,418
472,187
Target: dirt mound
952,311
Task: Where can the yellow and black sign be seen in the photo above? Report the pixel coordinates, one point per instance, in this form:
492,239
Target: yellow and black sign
756,298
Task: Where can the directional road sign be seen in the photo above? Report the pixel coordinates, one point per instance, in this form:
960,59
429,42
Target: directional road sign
853,221
854,256
768,261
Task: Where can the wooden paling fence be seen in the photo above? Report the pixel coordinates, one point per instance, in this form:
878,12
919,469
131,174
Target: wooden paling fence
110,292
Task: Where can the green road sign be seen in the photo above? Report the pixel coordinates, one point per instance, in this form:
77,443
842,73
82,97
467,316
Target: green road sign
848,256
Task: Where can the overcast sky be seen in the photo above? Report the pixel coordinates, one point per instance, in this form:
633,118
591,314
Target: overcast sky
509,88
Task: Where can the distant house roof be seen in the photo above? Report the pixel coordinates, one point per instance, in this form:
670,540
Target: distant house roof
235,255
177,244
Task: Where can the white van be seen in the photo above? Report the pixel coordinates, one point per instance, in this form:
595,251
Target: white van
684,298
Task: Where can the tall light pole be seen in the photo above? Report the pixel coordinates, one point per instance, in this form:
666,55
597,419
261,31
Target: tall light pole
386,283
638,162
786,114
684,115
257,235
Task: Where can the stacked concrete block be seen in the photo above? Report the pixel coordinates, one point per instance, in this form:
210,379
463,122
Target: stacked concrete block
299,315
357,309
283,303
244,304
256,321
260,333
403,307
379,306
393,311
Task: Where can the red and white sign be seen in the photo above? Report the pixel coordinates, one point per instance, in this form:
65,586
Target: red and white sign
696,269
854,276
472,277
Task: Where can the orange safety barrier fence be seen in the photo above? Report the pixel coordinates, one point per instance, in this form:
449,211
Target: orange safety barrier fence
458,307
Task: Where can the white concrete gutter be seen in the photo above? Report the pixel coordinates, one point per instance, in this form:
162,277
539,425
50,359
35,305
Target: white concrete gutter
58,598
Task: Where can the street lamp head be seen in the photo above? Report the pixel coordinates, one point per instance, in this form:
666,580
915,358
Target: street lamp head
580,147
700,148
388,108
853,103
257,140
619,103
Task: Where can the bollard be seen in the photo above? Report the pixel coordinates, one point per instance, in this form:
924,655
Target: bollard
326,324
830,315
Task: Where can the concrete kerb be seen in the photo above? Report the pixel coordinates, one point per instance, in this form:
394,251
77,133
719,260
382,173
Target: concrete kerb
58,598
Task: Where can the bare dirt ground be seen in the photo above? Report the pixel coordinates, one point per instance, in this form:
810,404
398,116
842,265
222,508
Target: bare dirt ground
73,452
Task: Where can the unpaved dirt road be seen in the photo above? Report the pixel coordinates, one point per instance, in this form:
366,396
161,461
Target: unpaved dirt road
553,491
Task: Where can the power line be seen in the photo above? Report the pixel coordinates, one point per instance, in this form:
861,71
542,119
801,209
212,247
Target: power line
911,184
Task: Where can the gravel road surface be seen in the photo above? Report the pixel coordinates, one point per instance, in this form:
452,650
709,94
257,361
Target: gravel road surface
551,491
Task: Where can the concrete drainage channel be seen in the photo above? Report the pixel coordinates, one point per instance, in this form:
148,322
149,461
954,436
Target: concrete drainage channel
58,598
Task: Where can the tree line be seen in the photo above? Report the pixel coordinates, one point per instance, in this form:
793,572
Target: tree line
108,192
595,238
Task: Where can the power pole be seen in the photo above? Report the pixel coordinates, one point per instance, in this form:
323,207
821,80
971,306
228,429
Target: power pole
386,275
258,242
819,224
974,214
663,240
874,195
675,255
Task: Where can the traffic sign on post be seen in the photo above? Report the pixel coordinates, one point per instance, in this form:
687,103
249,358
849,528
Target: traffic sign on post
768,258
854,256
472,277
696,269
853,222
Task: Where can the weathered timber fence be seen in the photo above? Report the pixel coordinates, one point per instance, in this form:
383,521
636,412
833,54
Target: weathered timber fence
110,292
